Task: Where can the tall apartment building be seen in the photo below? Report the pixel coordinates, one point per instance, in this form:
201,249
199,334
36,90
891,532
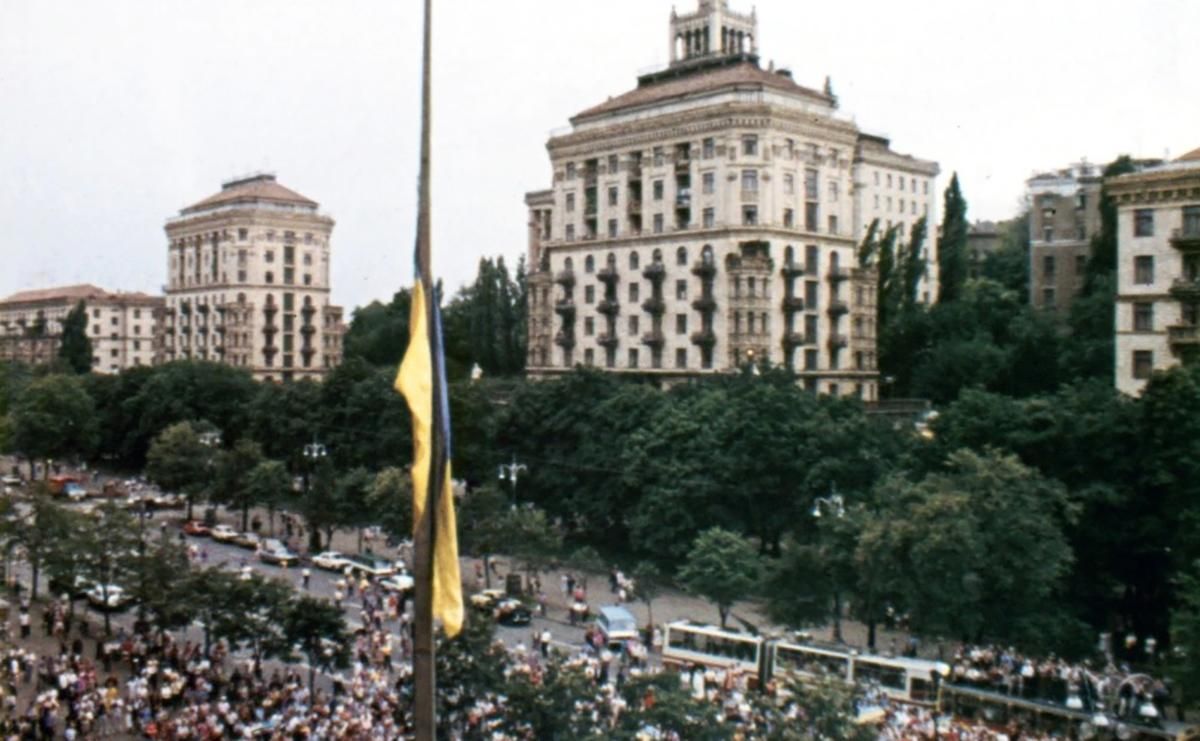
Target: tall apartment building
1064,216
249,283
121,326
708,219
1158,270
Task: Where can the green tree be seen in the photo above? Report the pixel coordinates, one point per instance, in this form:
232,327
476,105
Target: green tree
389,502
76,349
1185,635
648,583
214,597
481,525
722,568
268,484
178,460
316,629
53,418
233,477
952,248
1009,264
108,548
378,332
258,620
43,532
158,579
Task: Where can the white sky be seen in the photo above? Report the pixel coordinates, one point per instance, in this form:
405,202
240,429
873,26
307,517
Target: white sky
114,114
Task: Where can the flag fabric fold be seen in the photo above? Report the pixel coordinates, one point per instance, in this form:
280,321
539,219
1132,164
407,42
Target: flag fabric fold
422,381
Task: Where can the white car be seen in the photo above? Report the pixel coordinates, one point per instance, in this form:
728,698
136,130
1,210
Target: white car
402,583
330,561
224,533
371,566
107,597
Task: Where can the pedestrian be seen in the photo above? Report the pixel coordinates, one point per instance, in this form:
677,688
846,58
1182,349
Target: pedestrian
545,642
305,575
24,620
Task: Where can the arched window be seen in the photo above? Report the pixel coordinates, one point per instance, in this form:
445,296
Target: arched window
241,299
789,255
589,264
656,256
633,261
611,260
707,254
681,256
568,264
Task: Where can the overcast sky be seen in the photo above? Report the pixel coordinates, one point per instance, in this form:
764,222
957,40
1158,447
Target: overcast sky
114,114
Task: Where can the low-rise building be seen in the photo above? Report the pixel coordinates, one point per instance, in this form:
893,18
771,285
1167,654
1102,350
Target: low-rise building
121,326
1158,269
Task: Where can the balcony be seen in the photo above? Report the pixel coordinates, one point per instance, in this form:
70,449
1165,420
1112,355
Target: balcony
634,167
654,339
608,340
634,207
307,329
565,308
589,208
654,306
792,270
308,310
794,339
655,272
837,341
565,278
683,164
589,176
704,338
565,340
683,199
608,307
1186,290
704,269
794,304
608,274
1186,239
705,304
749,196
838,274
838,308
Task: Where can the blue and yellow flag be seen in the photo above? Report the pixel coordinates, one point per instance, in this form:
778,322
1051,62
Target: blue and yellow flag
422,381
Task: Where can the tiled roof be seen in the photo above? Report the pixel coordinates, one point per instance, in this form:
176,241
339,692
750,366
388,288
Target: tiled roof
72,293
251,190
743,75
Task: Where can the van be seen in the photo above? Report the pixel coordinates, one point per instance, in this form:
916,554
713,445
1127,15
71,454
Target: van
616,624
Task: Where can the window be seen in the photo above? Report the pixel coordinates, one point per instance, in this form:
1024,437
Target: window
633,325
1048,267
681,290
307,279
570,171
589,294
834,190
1143,270
750,181
658,223
589,264
308,258
709,183
289,276
658,190
789,185
889,180
810,360
789,218
1143,222
1143,317
833,224
113,321
634,289
811,291
613,195
750,145
877,177
633,357
589,357
289,254
1191,221
1080,264
241,276
789,146
681,324
570,202
269,277
243,235
658,156
810,185
901,183
709,148
589,326
614,164
1048,298
269,256
812,217
1143,364
681,358
570,232
681,256
612,228
750,215
1048,234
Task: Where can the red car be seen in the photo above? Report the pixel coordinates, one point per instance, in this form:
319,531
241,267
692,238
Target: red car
195,527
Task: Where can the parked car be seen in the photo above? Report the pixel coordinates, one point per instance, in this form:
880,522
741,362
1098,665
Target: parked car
109,597
616,624
277,553
487,600
330,561
371,566
402,583
77,588
250,541
224,534
509,611
195,527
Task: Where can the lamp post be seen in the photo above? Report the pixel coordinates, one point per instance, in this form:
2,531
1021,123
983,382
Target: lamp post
837,506
510,472
211,440
313,452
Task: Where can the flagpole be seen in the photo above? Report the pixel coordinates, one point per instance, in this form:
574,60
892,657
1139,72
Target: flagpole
424,677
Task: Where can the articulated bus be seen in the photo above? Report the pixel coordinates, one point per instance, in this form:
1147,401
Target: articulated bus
902,679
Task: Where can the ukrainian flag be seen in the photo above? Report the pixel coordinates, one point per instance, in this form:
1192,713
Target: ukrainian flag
422,381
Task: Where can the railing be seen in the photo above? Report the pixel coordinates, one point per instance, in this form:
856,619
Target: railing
608,307
704,338
837,308
634,207
836,274
705,304
794,339
655,271
608,340
1186,289
565,340
837,341
1186,239
608,274
749,195
704,269
794,304
565,277
792,269
654,339
1184,334
654,306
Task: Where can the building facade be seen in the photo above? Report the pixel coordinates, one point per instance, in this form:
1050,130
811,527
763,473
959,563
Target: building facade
249,283
1158,270
708,219
121,326
1064,216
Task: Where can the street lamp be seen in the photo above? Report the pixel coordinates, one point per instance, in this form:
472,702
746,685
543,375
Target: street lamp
312,453
510,472
835,504
212,440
